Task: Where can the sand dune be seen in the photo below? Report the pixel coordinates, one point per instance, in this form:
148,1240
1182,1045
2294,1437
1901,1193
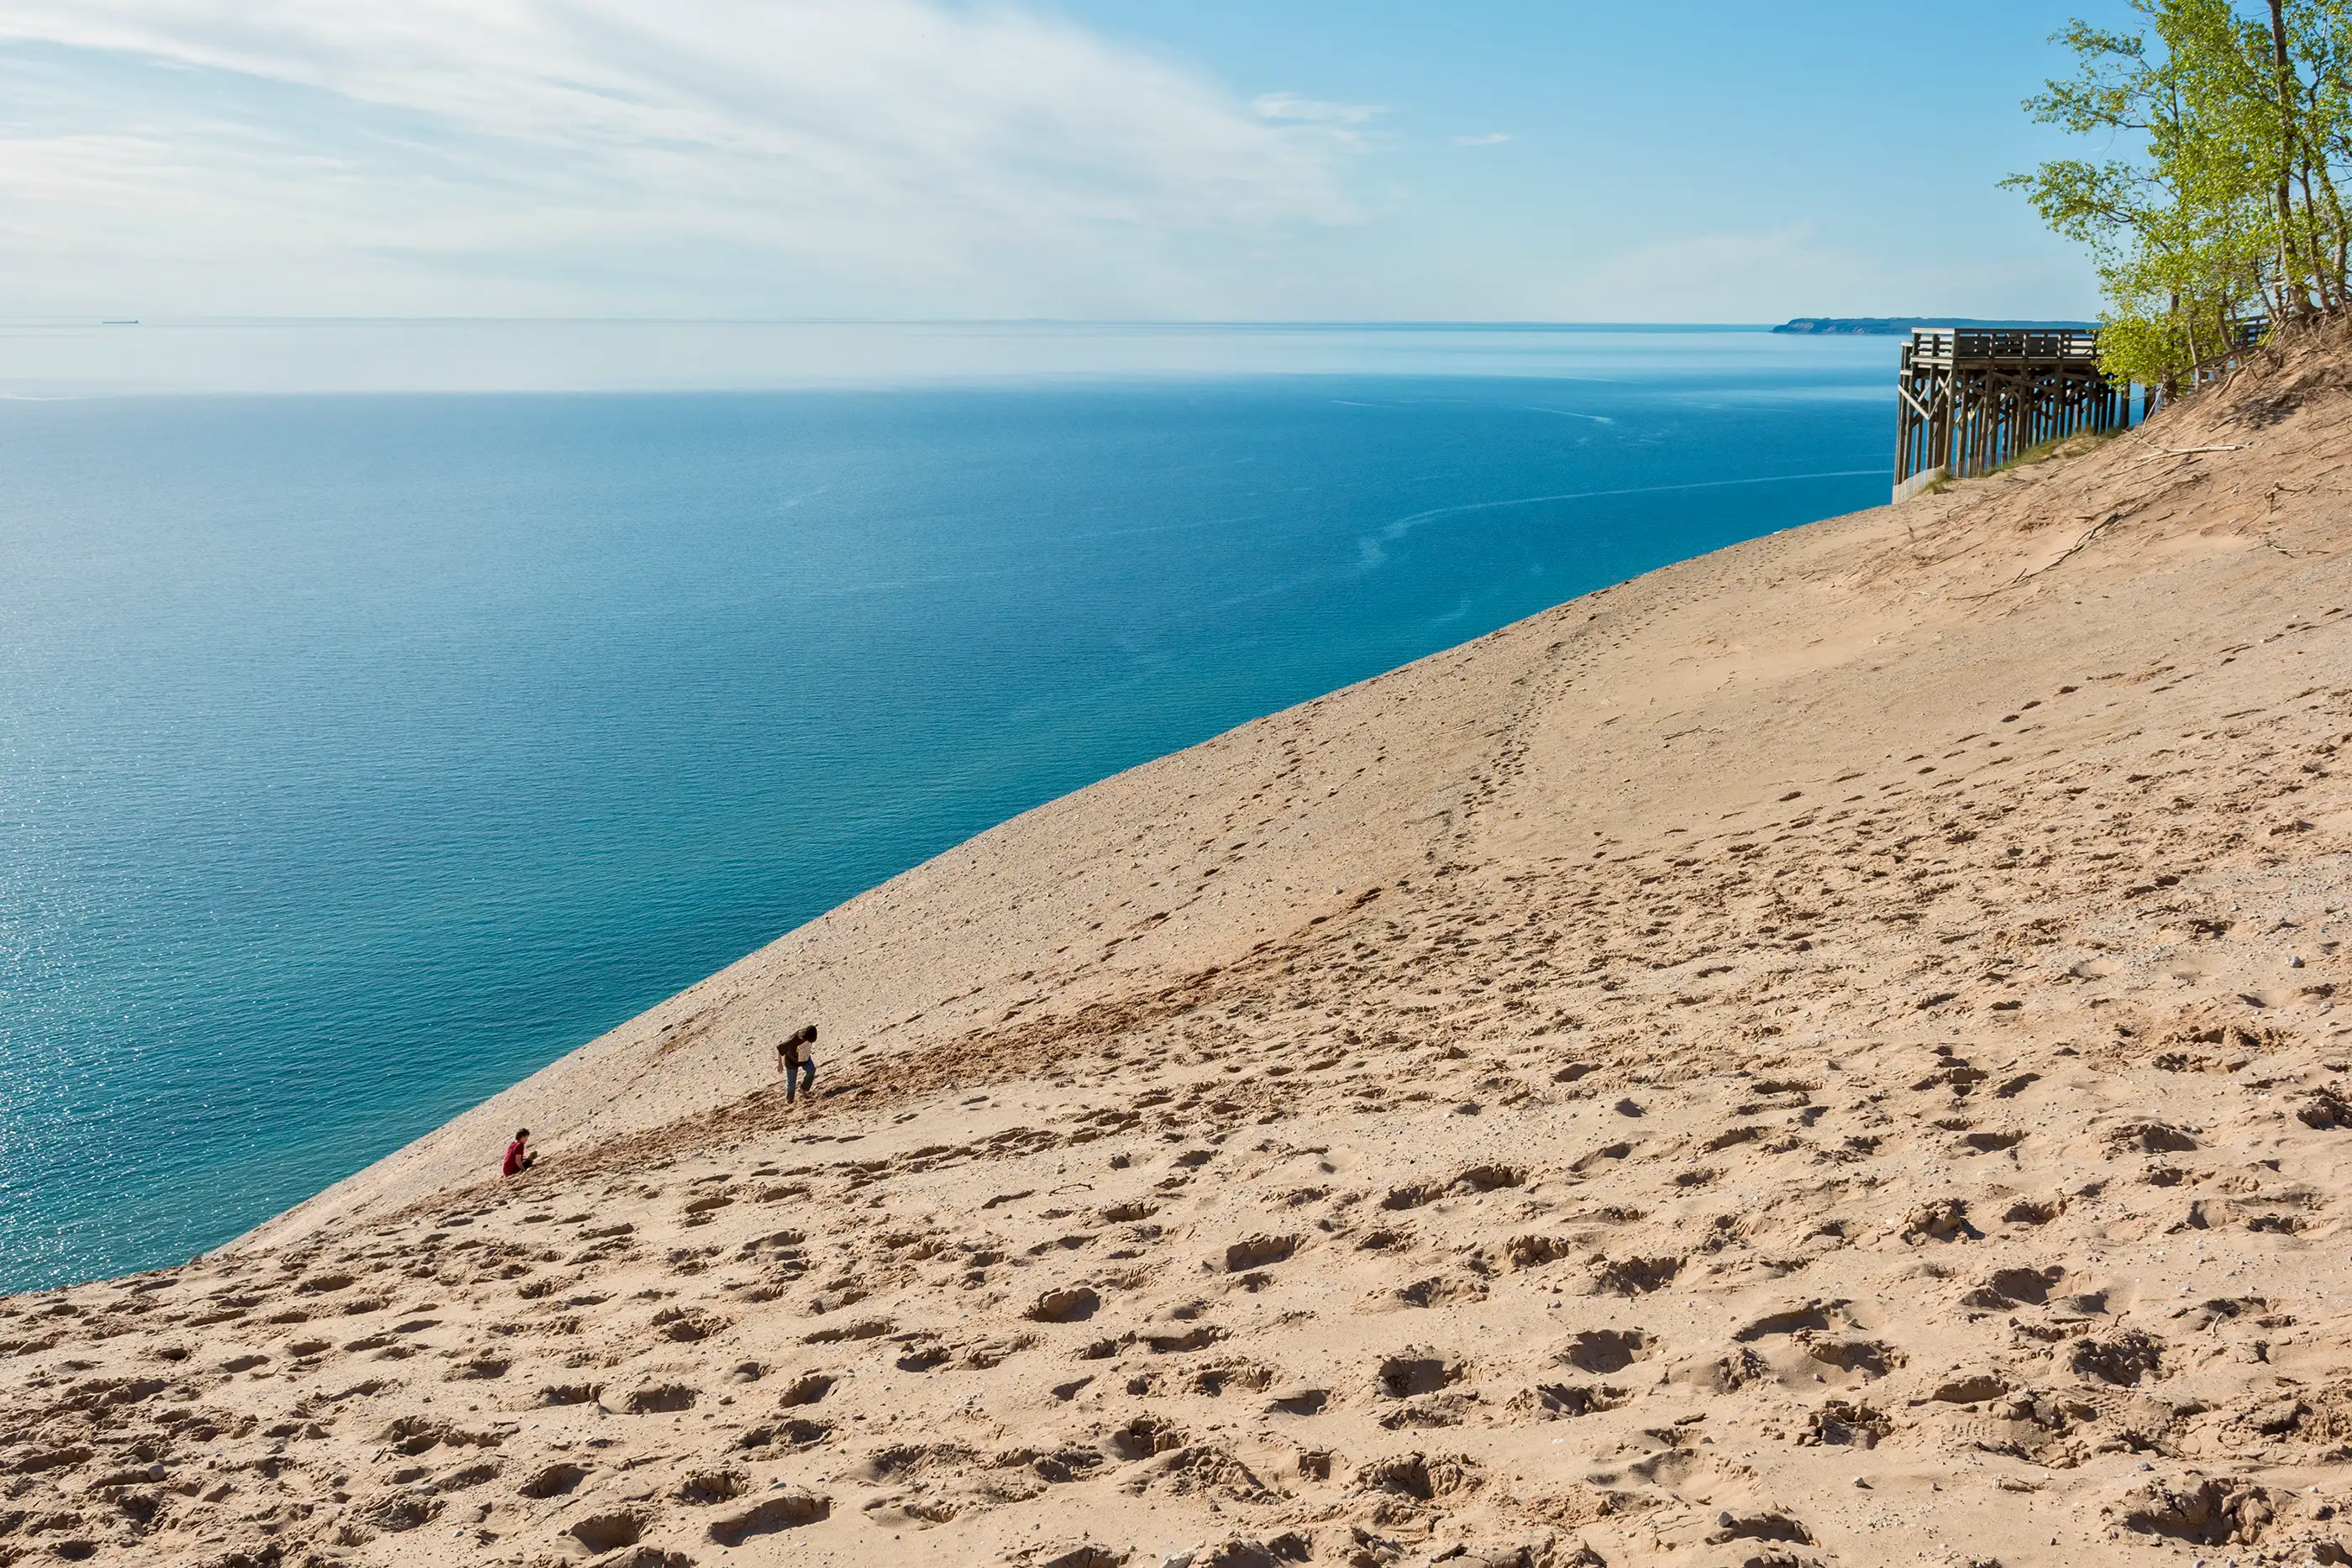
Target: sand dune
1823,1054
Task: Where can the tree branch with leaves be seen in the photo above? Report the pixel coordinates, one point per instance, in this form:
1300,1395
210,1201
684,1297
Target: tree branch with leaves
2220,202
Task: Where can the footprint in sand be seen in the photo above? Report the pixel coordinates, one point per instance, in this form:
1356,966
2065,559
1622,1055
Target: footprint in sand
1416,1372
554,1481
1067,1305
1633,1276
1565,1400
1605,1351
806,1389
660,1398
786,1511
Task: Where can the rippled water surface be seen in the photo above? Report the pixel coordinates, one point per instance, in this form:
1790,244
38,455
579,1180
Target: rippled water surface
361,753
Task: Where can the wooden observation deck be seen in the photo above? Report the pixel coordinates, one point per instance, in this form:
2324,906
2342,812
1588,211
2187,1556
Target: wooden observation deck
1973,398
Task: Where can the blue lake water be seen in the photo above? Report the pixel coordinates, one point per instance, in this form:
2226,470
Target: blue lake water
359,754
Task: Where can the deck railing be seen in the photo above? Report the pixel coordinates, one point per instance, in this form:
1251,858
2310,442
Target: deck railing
2244,337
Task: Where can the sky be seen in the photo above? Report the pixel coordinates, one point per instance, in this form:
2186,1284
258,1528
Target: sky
1073,159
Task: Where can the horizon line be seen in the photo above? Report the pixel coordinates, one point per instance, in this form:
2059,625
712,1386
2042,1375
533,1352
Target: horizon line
1418,323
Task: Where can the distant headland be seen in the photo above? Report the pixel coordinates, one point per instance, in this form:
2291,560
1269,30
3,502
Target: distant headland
1896,326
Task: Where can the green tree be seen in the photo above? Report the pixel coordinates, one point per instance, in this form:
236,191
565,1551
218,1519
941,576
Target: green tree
2222,202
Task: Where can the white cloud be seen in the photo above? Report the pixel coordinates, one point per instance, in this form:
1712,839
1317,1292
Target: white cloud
690,157
1491,138
1314,110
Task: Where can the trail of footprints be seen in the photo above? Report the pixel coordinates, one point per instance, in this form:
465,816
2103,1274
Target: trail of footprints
1152,1313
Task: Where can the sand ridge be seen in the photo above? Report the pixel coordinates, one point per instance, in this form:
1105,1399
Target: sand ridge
1823,1054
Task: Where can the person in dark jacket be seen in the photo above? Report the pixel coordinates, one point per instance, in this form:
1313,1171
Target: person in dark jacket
796,1059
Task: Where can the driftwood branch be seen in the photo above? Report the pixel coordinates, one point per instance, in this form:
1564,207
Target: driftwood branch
2071,550
2155,452
2097,528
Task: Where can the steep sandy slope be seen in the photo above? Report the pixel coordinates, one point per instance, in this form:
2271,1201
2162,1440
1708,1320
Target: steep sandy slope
1822,1054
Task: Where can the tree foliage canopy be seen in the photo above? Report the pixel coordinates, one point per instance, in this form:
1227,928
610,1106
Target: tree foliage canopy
2225,129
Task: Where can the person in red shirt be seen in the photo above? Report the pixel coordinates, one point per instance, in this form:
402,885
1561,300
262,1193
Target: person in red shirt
519,1157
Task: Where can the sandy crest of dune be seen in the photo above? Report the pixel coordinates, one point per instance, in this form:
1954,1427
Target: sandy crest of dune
1822,1054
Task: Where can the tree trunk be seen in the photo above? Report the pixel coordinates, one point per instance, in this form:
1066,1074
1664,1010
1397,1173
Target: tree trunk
2313,258
2292,294
2332,222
